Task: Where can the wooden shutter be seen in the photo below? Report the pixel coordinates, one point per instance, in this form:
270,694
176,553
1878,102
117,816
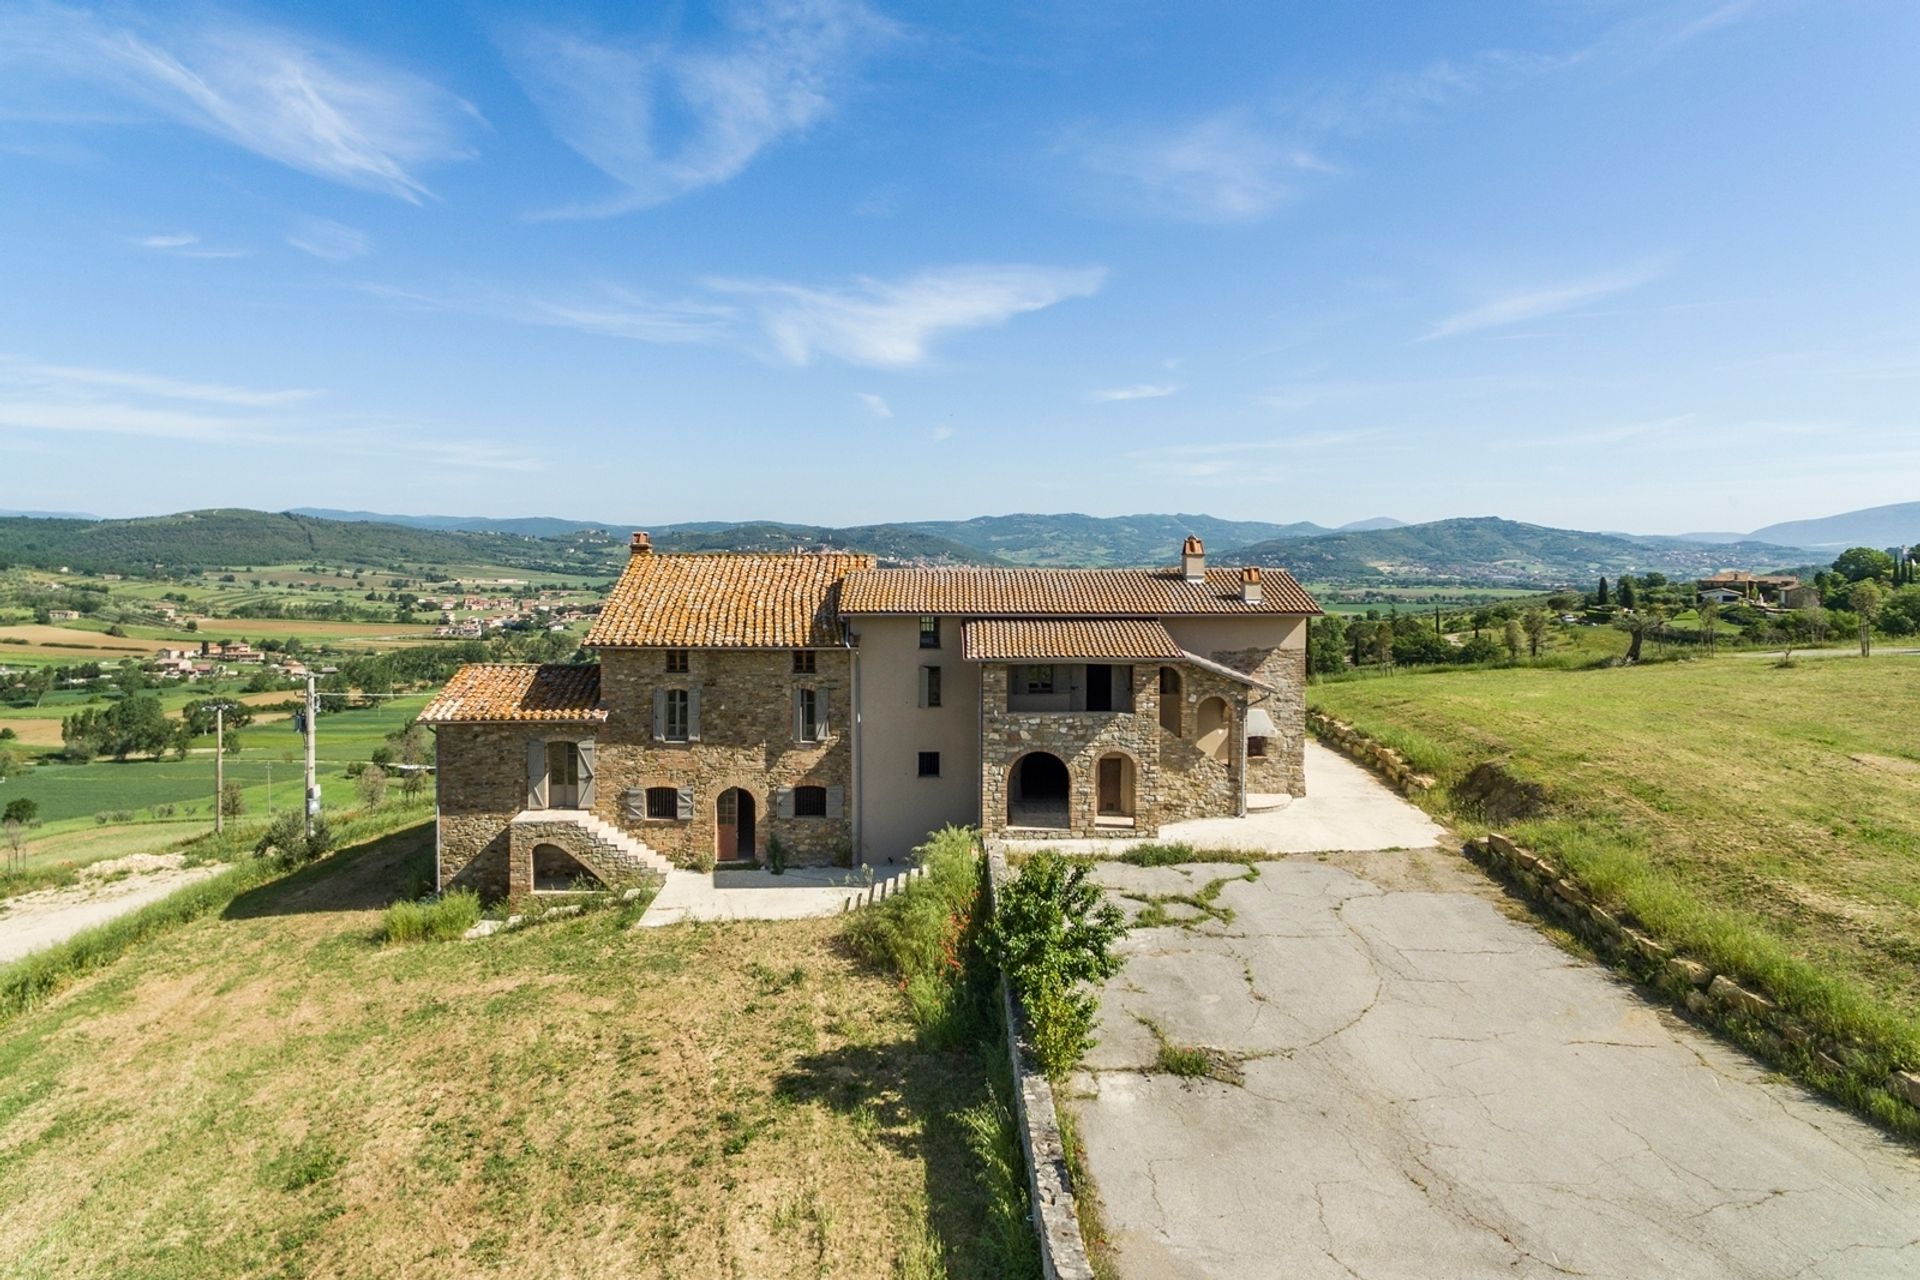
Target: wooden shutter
799,722
683,803
783,801
659,715
836,801
585,747
633,804
536,775
693,715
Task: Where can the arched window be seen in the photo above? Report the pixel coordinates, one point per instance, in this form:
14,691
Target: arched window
1210,724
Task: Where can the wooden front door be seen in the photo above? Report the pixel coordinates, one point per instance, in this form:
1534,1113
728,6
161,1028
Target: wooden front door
733,826
1111,792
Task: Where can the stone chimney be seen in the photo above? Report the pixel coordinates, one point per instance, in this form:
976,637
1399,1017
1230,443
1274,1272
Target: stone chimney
1250,584
1193,560
642,545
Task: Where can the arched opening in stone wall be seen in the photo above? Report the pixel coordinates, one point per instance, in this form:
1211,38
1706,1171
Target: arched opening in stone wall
1114,787
556,871
1210,725
1038,792
1170,697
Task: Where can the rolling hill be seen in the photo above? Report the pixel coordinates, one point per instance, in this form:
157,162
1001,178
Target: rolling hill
1889,526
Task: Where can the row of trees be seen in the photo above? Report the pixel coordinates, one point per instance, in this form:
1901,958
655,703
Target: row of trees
1335,643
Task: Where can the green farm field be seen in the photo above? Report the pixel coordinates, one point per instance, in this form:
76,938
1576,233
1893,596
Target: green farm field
1764,818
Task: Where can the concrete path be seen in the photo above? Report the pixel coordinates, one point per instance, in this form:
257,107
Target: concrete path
761,895
1416,1084
1341,810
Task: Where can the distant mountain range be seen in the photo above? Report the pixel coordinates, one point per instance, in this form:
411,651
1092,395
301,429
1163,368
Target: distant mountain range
1483,550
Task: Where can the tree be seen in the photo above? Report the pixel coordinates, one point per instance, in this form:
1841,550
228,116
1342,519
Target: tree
16,835
1537,624
13,762
232,802
22,809
199,717
1515,639
1053,936
1326,655
372,785
414,781
1625,593
1862,564
1866,600
1709,623
1635,625
1382,646
1600,596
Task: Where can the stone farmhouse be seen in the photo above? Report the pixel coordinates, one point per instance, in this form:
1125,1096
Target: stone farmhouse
813,708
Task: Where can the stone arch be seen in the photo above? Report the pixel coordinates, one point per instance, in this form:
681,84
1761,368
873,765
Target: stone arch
1212,728
750,802
1172,695
1039,791
1116,785
556,870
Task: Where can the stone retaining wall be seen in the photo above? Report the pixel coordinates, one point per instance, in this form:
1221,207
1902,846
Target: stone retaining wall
1056,1217
1361,749
1748,1016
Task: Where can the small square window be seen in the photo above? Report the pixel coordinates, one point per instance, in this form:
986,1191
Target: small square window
663,802
809,802
803,662
929,633
676,660
929,764
1256,748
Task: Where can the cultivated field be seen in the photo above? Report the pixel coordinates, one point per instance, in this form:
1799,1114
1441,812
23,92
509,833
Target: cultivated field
1766,818
272,1091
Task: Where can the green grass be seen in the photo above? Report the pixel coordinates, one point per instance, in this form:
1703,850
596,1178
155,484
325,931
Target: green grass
444,919
1766,820
262,1088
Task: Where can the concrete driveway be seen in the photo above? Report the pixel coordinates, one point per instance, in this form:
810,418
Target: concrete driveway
1409,1082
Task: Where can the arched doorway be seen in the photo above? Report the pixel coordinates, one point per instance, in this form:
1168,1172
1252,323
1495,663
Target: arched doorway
556,871
1114,787
733,824
1170,700
1038,788
1210,724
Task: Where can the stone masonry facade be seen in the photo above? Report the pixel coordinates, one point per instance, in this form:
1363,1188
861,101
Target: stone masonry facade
1079,739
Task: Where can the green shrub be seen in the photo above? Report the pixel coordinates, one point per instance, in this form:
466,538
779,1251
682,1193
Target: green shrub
1053,936
929,935
441,919
286,839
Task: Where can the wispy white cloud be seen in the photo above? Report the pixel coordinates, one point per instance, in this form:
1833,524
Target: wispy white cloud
53,400
1533,304
183,245
869,322
1720,15
666,116
937,434
893,323
305,103
1245,162
876,405
1618,433
1237,463
325,238
1139,391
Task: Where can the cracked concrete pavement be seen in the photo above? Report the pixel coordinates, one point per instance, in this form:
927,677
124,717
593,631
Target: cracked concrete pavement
1432,1089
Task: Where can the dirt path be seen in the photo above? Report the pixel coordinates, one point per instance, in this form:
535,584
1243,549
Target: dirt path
106,889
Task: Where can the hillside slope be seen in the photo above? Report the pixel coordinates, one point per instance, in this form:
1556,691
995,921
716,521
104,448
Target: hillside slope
1895,525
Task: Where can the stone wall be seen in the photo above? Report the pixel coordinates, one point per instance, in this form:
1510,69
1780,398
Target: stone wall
1079,739
1362,750
1193,783
746,741
1732,1006
481,780
1283,770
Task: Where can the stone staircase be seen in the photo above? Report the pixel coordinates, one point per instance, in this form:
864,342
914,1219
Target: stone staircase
883,888
611,848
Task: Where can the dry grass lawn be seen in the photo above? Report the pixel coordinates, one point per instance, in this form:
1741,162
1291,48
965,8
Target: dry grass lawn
271,1092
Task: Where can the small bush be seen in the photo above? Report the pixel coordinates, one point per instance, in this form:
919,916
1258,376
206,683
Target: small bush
1053,936
441,919
287,842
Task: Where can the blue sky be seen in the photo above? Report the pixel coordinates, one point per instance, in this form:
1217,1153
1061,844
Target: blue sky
1644,266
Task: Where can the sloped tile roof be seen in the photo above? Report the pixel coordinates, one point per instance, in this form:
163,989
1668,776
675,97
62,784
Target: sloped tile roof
491,692
1047,639
1141,593
727,601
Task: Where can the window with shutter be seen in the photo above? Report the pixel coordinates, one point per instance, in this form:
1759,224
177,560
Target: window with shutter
678,721
536,775
836,801
684,803
809,802
783,801
663,803
588,793
808,723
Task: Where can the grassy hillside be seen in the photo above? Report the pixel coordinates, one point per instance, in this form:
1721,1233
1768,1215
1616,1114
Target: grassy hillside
271,1091
1490,550
1766,818
1072,540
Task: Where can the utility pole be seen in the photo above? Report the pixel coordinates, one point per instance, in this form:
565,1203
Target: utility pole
219,768
313,788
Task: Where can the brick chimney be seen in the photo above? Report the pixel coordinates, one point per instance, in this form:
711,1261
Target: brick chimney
642,545
1250,584
1193,560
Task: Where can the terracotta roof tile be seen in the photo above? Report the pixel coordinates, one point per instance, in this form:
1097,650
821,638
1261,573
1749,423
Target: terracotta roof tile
726,601
1144,593
1046,639
490,692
